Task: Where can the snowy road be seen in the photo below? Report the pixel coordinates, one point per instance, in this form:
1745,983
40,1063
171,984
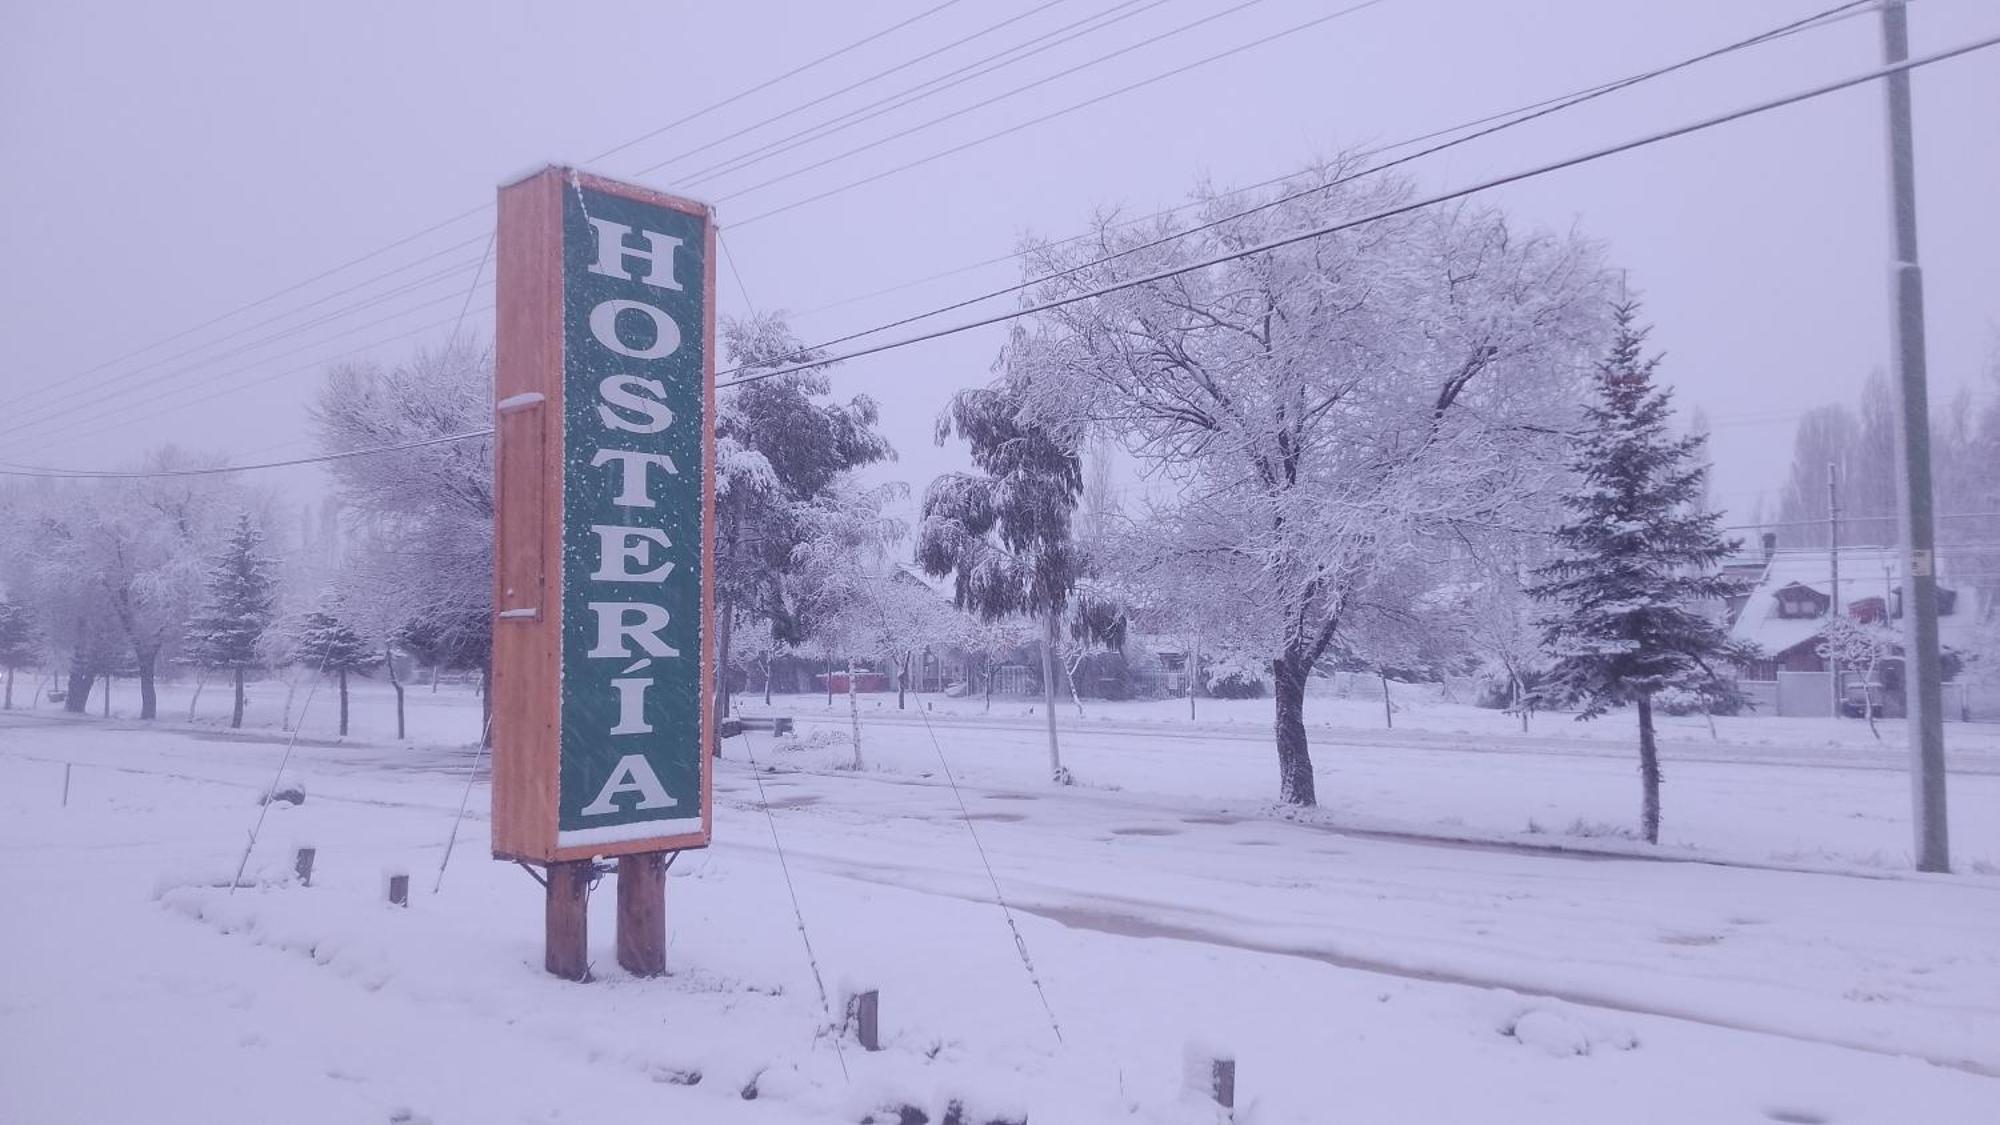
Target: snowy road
1325,958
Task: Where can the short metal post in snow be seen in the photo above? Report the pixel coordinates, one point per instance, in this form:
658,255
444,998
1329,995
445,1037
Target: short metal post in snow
1210,1075
399,890
302,864
66,769
864,1011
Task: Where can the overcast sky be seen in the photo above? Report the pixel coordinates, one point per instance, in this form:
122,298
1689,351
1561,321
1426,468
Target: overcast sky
161,165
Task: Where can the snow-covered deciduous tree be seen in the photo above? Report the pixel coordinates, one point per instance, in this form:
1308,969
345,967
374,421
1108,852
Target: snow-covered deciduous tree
843,538
1635,563
325,644
784,447
421,518
909,619
1319,405
132,552
1003,533
19,644
1857,646
241,604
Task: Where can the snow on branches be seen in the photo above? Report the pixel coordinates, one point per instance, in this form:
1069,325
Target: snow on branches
1325,406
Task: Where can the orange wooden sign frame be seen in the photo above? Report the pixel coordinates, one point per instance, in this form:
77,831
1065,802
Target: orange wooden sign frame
529,377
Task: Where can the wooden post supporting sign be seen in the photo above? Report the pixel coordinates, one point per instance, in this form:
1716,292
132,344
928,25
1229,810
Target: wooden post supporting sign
642,913
604,428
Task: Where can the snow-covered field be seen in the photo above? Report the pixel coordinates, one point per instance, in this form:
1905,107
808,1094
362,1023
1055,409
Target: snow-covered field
1453,937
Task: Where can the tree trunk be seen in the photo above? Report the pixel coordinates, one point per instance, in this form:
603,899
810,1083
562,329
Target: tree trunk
486,702
989,686
1388,708
1295,771
1649,772
1521,702
10,689
106,700
902,680
1193,672
291,693
767,678
725,615
389,662
236,712
854,712
829,682
1056,772
76,694
1069,673
342,674
200,678
149,694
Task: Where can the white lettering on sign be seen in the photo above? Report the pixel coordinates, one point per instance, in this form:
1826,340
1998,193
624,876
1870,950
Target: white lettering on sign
632,705
604,326
612,252
621,391
619,548
633,464
630,775
613,630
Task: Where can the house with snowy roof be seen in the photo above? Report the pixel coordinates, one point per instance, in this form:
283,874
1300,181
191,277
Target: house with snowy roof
1787,612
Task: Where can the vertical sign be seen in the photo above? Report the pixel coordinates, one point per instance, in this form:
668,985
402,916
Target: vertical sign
604,387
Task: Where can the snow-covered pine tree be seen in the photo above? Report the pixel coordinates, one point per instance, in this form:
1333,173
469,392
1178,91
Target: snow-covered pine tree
1634,562
240,608
326,643
17,643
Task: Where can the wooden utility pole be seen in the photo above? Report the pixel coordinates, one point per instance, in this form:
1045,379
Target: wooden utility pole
1922,673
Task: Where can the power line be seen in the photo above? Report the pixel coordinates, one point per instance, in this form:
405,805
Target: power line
82,398
1823,19
1033,121
88,397
1532,112
738,163
219,470
881,74
33,392
167,393
1535,112
483,207
1392,212
770,82
1269,245
82,401
307,366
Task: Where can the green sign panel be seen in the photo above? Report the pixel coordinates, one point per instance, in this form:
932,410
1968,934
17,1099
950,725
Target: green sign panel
633,504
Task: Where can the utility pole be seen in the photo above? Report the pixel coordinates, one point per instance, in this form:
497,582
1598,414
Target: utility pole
1921,673
1833,547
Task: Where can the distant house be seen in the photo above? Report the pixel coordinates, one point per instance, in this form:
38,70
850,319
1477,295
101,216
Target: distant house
1787,611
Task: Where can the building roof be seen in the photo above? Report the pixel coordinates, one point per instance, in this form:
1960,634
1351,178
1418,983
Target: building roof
1865,572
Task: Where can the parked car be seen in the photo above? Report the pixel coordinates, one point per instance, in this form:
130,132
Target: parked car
1862,701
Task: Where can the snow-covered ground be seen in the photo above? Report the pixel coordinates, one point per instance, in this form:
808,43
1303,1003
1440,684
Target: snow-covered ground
1413,952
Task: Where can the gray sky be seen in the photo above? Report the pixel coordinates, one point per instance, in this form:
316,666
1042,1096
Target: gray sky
163,164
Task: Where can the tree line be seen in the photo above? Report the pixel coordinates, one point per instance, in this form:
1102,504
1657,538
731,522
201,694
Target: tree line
1432,446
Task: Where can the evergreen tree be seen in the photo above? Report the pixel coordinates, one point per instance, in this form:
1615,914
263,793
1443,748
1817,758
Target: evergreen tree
1005,532
1635,562
17,643
327,644
239,610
